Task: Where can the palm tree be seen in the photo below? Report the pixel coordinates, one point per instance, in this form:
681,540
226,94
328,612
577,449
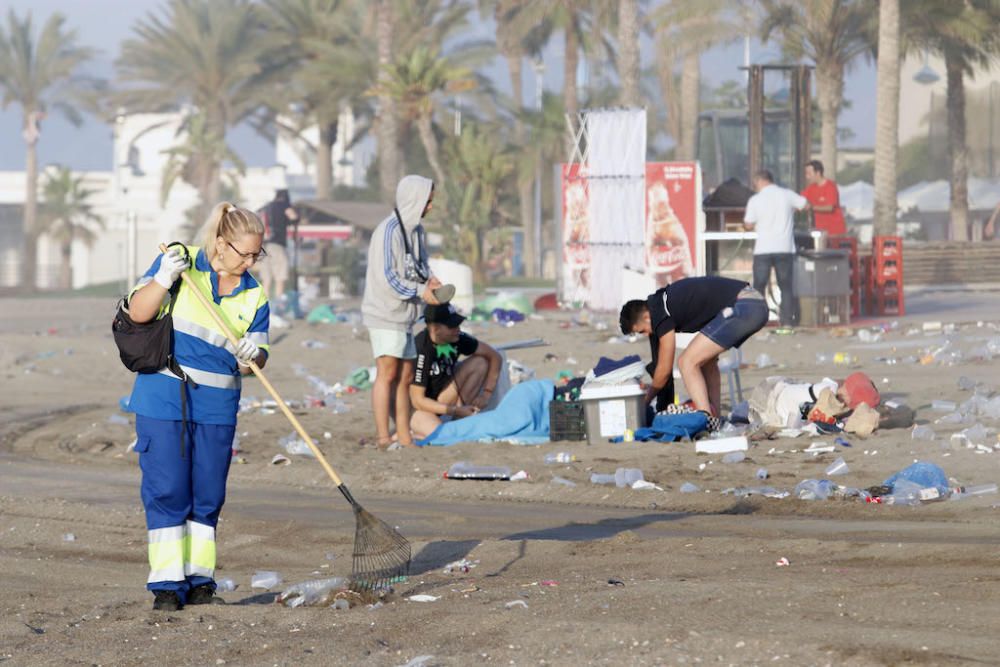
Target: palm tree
38,72
832,34
887,118
306,31
628,51
684,29
390,159
195,158
413,82
965,35
67,215
543,17
480,167
203,53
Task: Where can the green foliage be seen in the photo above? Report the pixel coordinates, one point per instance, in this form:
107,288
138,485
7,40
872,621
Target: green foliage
67,212
480,186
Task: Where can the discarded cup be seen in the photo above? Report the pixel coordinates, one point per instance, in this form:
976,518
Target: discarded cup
838,467
688,487
225,585
265,579
733,457
922,432
762,473
627,477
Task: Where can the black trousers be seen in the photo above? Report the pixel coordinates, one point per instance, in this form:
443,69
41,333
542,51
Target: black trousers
784,265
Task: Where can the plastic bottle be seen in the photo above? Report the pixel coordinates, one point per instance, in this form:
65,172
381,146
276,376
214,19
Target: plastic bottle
597,478
814,489
627,477
943,406
466,470
562,481
225,585
733,457
559,457
265,579
974,490
313,592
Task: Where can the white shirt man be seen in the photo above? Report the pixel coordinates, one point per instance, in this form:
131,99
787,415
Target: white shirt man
771,212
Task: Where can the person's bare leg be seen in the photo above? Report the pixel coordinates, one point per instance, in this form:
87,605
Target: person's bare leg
423,423
470,376
403,403
713,381
387,371
699,352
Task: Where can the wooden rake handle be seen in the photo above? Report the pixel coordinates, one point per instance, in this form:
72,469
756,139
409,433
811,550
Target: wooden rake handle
211,308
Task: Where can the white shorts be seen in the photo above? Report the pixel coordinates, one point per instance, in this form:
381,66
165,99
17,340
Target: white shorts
274,266
392,343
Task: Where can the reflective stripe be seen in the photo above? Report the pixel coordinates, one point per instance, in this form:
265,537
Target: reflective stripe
166,534
258,337
210,336
217,380
200,550
168,574
166,554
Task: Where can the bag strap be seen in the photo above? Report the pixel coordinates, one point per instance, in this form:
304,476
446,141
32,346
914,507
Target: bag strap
409,250
172,363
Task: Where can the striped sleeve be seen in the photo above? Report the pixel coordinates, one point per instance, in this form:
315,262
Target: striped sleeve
260,327
406,289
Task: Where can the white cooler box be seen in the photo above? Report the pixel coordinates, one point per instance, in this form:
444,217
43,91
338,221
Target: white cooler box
610,411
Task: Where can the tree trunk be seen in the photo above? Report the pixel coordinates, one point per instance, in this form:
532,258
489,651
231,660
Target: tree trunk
524,187
690,89
389,156
958,151
887,118
66,267
665,58
324,160
628,52
425,128
29,268
571,63
830,80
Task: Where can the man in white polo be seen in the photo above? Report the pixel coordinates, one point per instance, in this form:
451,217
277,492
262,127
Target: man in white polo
771,212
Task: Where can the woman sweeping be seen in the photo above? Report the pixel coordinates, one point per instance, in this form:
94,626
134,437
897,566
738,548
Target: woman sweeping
185,423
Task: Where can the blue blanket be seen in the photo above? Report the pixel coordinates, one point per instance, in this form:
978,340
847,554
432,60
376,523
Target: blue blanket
670,428
522,418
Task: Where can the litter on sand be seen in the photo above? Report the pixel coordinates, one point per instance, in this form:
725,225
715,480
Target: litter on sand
516,603
424,598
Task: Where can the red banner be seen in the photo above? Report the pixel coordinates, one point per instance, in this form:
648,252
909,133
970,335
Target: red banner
575,235
672,201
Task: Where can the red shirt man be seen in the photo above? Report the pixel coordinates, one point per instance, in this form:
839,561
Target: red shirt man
824,197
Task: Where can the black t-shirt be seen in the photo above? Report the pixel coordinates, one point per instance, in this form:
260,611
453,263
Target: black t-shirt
689,304
436,362
277,222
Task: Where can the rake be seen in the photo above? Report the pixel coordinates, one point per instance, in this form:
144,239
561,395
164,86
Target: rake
381,555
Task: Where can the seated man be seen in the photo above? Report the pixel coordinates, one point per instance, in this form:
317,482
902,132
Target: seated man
442,385
723,312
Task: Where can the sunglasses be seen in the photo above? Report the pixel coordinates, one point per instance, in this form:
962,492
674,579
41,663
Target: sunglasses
255,256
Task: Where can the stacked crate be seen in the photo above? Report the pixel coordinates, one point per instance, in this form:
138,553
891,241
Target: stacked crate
850,244
885,278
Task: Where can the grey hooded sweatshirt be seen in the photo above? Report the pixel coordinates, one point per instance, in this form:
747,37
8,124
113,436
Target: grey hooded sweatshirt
395,279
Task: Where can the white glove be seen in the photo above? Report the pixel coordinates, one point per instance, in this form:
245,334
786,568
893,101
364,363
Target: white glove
246,351
172,264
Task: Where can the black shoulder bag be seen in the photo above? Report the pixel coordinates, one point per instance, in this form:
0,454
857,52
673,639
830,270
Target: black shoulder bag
149,347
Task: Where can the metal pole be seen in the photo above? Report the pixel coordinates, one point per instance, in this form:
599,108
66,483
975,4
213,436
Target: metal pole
131,248
993,84
537,231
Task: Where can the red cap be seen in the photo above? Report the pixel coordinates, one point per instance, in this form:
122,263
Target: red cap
858,389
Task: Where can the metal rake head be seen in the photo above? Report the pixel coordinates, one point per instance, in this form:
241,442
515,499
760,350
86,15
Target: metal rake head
381,556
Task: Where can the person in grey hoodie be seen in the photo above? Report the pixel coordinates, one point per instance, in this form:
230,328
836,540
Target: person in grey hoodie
398,278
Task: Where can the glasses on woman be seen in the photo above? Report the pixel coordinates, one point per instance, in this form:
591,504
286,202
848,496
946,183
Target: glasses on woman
255,256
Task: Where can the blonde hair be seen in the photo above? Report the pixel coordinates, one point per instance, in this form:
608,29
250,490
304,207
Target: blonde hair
229,221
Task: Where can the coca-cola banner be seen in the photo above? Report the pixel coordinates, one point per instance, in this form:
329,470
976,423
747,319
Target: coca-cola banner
576,235
673,194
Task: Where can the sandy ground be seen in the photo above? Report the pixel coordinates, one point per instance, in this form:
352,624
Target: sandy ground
866,584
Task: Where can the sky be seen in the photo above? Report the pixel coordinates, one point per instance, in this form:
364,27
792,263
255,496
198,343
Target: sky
104,24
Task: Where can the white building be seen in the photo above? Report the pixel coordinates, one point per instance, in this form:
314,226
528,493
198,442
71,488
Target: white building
128,198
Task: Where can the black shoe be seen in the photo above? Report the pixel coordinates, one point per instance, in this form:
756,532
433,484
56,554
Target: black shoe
167,601
204,594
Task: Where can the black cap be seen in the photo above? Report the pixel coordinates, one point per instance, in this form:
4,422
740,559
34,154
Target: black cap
445,314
